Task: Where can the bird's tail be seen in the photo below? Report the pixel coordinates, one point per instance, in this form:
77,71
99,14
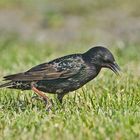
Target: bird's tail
17,85
16,81
9,80
8,84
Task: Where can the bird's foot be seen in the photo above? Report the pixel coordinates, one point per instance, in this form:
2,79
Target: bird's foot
48,102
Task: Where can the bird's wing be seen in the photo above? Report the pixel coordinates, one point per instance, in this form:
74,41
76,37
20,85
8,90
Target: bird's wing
50,71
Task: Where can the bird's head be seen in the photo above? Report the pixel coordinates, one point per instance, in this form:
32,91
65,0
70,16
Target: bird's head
103,58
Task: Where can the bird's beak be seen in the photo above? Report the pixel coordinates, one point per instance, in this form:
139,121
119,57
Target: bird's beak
115,68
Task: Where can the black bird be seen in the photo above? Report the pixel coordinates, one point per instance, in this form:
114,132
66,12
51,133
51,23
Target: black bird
65,74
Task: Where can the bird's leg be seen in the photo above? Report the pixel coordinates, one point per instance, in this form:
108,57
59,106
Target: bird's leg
46,99
38,92
60,97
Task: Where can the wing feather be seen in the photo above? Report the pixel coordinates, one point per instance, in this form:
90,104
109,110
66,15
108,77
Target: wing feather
49,71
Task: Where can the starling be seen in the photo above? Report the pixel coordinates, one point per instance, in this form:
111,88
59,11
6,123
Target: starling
63,75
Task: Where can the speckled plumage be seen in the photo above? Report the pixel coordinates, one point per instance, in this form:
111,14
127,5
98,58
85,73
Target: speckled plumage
65,74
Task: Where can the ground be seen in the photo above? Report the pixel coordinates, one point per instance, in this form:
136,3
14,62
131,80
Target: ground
107,107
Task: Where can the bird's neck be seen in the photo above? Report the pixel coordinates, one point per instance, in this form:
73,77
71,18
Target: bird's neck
93,68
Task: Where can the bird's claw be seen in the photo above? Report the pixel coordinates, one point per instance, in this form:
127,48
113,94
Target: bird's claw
48,103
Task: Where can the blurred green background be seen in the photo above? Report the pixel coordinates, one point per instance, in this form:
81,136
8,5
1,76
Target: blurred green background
36,31
84,21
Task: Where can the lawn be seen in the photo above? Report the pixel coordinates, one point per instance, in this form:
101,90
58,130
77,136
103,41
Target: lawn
108,107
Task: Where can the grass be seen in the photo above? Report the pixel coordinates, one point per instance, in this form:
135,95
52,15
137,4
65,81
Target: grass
106,108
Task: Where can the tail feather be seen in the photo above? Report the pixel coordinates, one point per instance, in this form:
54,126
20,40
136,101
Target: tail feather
23,77
9,84
17,81
13,77
17,85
